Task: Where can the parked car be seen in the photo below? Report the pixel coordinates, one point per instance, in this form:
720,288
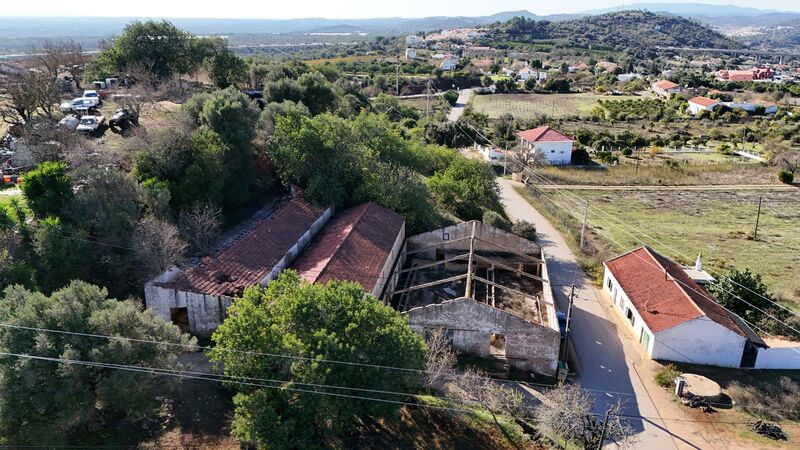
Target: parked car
77,104
93,94
69,122
90,124
123,117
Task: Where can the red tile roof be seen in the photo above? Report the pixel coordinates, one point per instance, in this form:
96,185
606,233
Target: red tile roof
663,294
543,134
353,246
703,101
250,258
665,85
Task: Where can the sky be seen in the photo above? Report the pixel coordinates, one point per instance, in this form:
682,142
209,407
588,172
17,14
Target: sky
334,9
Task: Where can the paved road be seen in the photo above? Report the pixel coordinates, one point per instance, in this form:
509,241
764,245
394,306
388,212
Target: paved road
606,355
458,109
706,187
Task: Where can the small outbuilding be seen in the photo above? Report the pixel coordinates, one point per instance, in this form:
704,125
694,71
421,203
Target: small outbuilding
672,316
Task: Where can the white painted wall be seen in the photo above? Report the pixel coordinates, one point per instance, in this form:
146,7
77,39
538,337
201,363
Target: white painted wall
700,341
623,304
386,272
556,153
778,358
694,108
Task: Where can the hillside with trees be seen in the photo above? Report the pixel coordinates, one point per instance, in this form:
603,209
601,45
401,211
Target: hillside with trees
638,30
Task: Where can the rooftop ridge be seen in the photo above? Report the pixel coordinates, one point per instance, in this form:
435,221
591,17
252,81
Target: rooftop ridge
346,237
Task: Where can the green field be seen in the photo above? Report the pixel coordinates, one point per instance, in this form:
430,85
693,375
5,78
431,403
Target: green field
527,106
717,224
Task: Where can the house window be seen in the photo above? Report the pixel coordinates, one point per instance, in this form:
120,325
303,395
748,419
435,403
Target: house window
609,283
644,339
630,317
445,236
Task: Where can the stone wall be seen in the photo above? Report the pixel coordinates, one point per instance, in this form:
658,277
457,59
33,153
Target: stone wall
472,324
463,230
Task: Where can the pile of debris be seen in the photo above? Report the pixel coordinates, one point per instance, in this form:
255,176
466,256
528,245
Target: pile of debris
695,401
770,430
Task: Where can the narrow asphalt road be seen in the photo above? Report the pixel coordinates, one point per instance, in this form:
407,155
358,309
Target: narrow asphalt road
458,108
606,355
705,187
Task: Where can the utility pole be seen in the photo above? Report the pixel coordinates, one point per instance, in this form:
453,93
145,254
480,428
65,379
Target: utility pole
758,216
569,320
583,226
637,164
603,432
397,81
427,98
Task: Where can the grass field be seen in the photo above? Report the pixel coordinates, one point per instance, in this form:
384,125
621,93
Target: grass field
683,224
658,173
527,106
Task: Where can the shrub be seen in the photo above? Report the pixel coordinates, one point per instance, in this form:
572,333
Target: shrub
494,219
666,376
785,176
778,401
524,229
451,96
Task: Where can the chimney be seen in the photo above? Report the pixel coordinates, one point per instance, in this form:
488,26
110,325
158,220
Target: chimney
698,264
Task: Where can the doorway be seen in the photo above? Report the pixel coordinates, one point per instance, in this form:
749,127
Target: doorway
180,317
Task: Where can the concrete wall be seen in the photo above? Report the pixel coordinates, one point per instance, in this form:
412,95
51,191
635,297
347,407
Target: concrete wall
464,230
206,312
699,341
778,358
386,272
471,325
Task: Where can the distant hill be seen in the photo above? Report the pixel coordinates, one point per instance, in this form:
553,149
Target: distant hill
716,15
628,29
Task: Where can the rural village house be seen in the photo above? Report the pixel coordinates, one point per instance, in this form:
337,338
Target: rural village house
672,316
553,145
665,88
698,104
357,245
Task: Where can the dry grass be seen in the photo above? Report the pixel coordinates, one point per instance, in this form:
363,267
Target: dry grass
528,106
661,174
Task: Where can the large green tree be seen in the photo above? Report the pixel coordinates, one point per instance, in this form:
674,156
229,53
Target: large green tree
43,402
319,322
743,292
468,188
60,253
48,189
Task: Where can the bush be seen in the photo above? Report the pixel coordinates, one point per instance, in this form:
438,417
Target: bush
785,176
48,189
666,376
525,230
494,219
451,96
779,401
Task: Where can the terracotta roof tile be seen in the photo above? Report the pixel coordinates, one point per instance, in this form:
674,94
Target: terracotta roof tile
353,246
665,84
703,101
543,134
663,294
250,258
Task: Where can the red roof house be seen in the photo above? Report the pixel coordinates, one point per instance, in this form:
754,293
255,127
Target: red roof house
553,145
672,316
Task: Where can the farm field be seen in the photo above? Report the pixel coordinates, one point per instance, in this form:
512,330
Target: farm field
527,106
715,224
655,173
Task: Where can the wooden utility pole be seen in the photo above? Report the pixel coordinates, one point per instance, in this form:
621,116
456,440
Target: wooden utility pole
758,217
603,432
468,288
583,226
397,81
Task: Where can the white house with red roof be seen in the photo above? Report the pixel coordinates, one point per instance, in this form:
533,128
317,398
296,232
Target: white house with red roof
665,88
672,316
554,146
698,104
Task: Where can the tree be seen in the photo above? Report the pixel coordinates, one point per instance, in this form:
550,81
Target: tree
44,401
567,412
524,229
160,46
48,189
467,188
60,57
200,225
318,94
157,246
60,253
227,69
742,292
28,93
494,219
557,85
316,322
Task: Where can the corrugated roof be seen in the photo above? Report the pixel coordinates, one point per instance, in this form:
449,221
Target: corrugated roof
250,258
663,293
543,134
353,246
